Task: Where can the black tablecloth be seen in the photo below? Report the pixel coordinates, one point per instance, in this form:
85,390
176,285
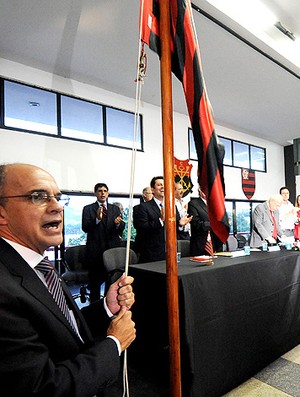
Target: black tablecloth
236,317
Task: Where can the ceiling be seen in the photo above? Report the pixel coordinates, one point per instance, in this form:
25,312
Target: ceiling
253,90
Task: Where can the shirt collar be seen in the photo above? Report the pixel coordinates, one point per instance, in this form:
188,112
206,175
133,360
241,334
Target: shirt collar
30,256
158,202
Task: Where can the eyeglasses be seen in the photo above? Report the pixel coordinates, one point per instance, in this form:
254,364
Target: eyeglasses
42,198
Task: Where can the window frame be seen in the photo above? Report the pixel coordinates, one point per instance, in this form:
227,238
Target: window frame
58,134
191,143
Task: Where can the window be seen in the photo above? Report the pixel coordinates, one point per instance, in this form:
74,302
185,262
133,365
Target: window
228,150
29,108
192,147
229,210
81,119
74,235
237,154
40,111
241,155
240,216
120,128
258,158
242,212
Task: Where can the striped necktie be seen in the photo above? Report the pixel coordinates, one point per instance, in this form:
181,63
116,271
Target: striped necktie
103,213
162,212
55,288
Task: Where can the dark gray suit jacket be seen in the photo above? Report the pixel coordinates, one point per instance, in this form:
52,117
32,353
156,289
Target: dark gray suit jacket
200,226
40,353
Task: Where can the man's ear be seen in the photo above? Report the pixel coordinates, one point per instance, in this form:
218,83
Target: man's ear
3,216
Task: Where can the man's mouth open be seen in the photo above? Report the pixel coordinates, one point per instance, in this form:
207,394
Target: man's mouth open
52,225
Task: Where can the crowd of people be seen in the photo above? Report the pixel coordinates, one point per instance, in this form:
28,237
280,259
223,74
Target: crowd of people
56,345
273,221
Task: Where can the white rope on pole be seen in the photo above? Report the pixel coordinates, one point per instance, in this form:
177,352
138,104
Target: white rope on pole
139,82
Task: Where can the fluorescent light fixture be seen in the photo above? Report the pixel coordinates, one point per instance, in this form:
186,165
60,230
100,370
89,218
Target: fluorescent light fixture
254,16
283,30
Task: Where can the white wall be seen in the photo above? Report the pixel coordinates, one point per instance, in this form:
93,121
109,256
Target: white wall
78,166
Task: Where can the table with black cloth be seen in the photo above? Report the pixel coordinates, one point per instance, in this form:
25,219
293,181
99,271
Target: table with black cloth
236,317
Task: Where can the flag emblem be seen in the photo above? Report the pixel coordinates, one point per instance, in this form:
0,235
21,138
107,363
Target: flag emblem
182,174
248,182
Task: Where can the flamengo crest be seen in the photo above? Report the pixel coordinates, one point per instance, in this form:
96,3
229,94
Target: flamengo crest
182,173
248,182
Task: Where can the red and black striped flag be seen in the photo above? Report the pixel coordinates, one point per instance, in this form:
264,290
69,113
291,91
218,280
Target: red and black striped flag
248,182
186,65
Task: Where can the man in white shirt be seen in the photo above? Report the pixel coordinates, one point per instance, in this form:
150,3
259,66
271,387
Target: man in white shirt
287,213
183,232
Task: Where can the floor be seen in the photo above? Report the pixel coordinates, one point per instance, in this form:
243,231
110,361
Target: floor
280,379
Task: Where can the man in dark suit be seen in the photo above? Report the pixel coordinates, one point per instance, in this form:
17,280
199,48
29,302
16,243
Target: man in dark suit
44,354
103,224
148,220
200,226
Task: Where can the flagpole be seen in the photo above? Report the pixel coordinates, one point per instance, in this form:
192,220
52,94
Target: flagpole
170,213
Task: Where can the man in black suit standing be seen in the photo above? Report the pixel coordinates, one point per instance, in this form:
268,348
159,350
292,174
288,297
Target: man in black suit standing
45,351
103,224
200,226
149,221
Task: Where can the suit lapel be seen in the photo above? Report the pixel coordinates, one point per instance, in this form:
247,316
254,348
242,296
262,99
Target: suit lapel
203,205
154,206
30,281
268,211
95,207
